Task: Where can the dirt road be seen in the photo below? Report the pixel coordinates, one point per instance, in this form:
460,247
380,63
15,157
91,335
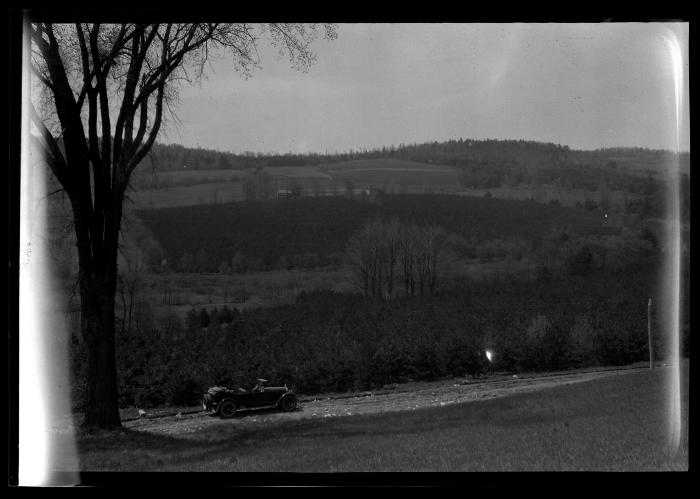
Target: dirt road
405,397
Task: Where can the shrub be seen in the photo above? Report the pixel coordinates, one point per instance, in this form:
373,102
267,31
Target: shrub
580,262
186,390
283,263
239,263
585,349
484,251
186,263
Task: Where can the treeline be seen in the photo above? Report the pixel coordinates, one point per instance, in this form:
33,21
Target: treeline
516,156
166,157
390,258
337,342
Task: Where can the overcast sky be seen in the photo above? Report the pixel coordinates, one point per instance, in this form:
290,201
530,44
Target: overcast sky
582,85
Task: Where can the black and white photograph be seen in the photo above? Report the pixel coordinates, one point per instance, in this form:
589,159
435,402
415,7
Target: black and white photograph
351,249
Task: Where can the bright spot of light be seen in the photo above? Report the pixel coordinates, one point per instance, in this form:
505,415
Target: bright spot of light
489,355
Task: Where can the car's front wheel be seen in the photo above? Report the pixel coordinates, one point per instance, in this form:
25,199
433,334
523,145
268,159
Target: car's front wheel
288,403
227,409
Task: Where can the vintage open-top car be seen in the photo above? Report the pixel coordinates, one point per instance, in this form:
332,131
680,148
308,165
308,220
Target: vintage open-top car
225,402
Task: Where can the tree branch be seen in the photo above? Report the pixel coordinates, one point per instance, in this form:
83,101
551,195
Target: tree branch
55,159
124,127
129,88
141,153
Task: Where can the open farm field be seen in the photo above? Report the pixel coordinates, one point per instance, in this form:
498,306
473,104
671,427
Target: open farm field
179,293
296,171
395,179
394,175
270,229
190,195
648,165
186,176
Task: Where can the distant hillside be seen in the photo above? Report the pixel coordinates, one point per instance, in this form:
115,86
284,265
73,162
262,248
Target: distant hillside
503,154
317,229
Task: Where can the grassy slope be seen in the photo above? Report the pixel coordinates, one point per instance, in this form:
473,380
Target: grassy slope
616,423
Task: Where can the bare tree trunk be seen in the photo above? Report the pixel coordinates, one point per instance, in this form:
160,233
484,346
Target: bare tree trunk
97,242
97,327
97,297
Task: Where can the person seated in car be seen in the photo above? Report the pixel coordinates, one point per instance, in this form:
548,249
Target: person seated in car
259,386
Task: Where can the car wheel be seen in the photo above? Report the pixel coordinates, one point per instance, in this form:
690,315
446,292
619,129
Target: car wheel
288,404
227,409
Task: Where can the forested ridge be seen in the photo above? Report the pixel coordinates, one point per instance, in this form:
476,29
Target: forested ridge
505,154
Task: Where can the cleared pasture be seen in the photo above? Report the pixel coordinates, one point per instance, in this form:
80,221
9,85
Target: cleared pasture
190,187
191,195
395,176
385,178
296,171
178,293
187,176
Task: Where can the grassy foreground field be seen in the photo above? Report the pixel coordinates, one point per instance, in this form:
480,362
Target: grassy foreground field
619,423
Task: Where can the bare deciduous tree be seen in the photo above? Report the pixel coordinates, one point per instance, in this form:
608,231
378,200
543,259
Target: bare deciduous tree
380,248
390,255
407,245
101,94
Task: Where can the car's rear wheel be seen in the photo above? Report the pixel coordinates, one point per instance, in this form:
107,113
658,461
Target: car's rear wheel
227,409
288,403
